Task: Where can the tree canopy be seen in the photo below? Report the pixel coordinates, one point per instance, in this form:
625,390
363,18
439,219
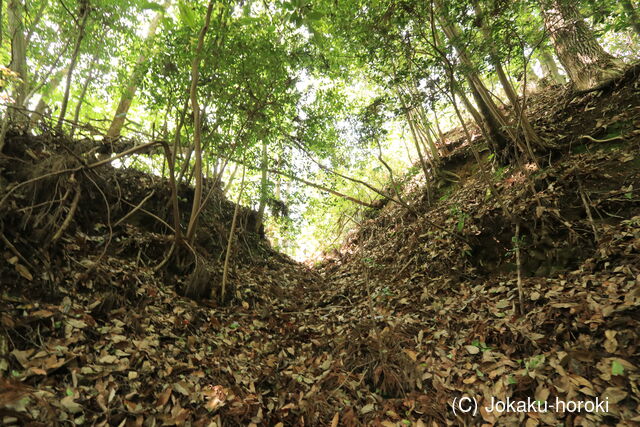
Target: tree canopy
323,105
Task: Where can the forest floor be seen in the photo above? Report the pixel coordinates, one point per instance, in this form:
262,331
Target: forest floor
417,309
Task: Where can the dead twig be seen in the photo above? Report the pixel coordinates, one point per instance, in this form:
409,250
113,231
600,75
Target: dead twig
70,215
519,268
15,251
135,209
588,210
79,168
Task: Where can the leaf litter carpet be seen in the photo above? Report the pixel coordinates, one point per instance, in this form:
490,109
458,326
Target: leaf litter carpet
405,319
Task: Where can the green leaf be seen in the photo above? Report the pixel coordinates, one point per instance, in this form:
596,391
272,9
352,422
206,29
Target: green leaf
314,16
149,5
616,368
186,14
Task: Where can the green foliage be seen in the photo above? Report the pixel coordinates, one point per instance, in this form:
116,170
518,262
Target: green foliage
326,85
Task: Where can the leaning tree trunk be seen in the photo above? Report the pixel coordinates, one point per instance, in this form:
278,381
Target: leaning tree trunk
492,121
83,93
550,68
585,61
135,78
264,182
72,66
197,130
634,19
15,9
532,139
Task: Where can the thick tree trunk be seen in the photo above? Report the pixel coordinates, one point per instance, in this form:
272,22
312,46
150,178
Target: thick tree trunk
633,15
585,61
15,9
72,66
492,127
129,92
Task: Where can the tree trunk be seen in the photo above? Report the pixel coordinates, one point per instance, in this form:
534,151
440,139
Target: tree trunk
436,120
72,66
492,120
41,106
83,93
532,139
197,131
15,9
264,165
136,76
227,257
633,15
231,178
550,68
585,61
1,20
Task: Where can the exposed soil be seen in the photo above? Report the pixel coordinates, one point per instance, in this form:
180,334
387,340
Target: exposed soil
417,309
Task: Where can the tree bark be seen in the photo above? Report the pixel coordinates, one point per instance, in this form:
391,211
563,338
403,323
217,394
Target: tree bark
136,76
492,120
83,93
585,61
633,15
532,139
197,130
15,9
550,68
72,65
264,165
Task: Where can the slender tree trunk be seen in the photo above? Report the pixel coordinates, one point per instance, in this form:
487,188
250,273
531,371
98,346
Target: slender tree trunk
585,61
436,120
492,120
633,15
15,10
197,130
83,93
227,257
1,20
425,128
532,139
72,66
416,142
550,68
41,106
231,178
264,165
136,76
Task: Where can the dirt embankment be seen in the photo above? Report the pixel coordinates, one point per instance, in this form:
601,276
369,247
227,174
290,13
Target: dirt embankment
419,308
